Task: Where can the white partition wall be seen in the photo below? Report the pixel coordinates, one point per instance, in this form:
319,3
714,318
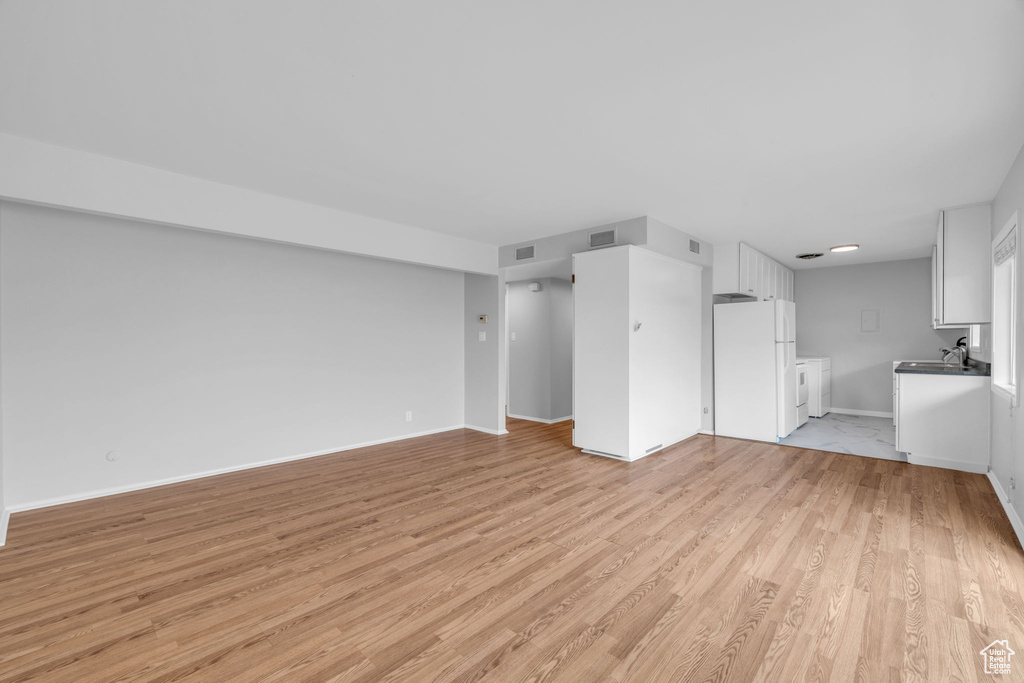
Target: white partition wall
664,357
601,351
637,323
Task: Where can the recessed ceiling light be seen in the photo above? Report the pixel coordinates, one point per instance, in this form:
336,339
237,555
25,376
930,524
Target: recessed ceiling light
845,247
810,255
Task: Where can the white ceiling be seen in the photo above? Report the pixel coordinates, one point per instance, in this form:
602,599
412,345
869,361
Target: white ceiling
791,124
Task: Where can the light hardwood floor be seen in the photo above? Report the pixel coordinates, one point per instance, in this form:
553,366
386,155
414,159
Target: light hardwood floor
464,556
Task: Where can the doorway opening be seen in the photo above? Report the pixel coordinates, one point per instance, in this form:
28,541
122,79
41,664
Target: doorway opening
539,348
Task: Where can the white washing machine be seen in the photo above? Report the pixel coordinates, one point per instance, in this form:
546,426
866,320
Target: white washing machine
819,384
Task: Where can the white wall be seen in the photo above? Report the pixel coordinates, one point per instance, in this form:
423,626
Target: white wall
707,351
189,352
1007,425
529,351
663,322
483,403
561,348
540,358
829,302
4,515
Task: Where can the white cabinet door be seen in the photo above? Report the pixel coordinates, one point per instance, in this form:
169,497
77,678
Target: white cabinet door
748,270
897,411
764,276
961,267
790,276
761,277
771,271
965,249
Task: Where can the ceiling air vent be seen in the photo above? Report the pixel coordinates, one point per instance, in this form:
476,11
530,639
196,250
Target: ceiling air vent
695,246
810,255
605,238
524,253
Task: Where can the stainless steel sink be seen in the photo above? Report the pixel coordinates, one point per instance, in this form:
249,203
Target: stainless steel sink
933,364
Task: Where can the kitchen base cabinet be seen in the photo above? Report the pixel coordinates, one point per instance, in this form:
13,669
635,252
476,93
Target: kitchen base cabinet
943,420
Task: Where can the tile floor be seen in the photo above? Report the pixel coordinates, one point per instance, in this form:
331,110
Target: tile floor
856,434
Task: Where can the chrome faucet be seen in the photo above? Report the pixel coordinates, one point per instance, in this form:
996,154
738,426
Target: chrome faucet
957,352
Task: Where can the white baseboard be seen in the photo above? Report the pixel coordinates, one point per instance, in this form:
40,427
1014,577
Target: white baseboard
708,432
961,465
485,430
5,519
99,493
625,459
1015,520
541,420
865,413
602,454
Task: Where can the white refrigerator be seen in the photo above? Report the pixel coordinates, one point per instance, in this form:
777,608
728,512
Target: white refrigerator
755,370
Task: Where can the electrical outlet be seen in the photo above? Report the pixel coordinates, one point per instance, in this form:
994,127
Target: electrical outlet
408,416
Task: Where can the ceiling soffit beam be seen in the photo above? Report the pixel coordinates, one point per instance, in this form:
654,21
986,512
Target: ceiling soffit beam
40,173
643,231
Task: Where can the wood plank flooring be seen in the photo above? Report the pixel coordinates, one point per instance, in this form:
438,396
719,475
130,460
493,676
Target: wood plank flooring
464,557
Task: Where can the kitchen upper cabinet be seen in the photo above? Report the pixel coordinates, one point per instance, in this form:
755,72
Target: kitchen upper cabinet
742,271
961,267
749,278
764,276
767,278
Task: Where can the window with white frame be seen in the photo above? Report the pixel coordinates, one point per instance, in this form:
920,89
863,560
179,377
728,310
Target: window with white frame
974,340
1004,311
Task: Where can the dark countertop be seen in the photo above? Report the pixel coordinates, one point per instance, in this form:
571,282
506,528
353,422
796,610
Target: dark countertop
972,370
